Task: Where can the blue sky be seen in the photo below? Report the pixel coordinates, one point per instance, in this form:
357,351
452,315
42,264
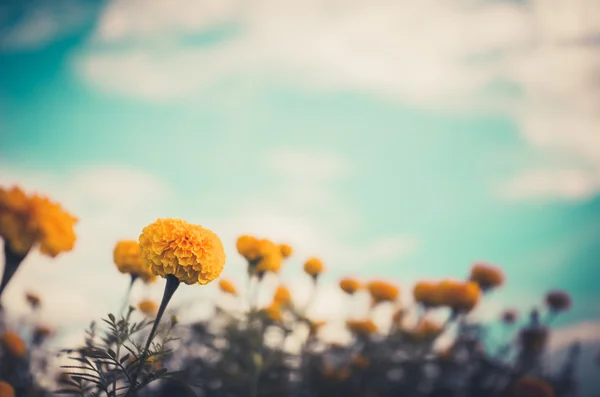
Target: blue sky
391,151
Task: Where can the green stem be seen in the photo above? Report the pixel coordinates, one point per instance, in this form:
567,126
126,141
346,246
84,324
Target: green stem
128,293
12,261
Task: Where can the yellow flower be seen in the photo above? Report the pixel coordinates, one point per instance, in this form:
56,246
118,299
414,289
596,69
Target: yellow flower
531,387
128,259
361,327
247,246
227,287
426,293
313,267
286,250
25,221
13,344
558,301
274,311
282,296
148,307
487,276
459,296
426,330
349,285
191,253
6,390
383,292
33,299
269,259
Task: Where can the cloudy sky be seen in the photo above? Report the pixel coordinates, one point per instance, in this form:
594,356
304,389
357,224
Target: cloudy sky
396,139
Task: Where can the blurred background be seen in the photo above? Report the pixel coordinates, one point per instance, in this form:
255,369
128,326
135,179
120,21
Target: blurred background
393,139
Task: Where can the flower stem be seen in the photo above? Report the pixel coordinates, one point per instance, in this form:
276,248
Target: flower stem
128,293
12,261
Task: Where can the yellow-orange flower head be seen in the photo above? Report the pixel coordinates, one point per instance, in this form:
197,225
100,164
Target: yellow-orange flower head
487,276
227,287
286,250
128,259
273,311
269,259
191,253
349,285
426,293
25,221
427,330
314,267
247,246
361,327
558,301
13,344
459,296
532,387
282,296
6,390
148,307
383,292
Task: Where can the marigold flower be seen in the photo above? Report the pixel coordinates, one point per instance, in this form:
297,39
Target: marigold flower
128,259
25,221
349,285
459,296
487,276
148,307
313,267
13,344
558,301
383,292
6,390
361,327
509,316
191,253
286,250
247,246
282,296
273,311
427,330
426,293
269,259
227,287
531,387
33,299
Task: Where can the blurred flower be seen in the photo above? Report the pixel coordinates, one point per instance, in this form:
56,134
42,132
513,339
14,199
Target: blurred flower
227,287
247,246
426,293
426,330
313,267
174,320
531,387
282,296
509,316
382,292
148,307
459,296
558,301
128,259
361,327
40,333
487,276
286,250
269,259
13,344
191,253
25,221
360,361
349,285
6,390
33,300
273,311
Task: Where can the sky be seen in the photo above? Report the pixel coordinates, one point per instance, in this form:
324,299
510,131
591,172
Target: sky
393,139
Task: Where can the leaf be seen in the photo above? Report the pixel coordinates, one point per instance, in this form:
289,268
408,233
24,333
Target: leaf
112,353
112,317
124,358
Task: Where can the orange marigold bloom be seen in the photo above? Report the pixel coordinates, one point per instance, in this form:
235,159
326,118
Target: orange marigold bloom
227,287
269,259
25,221
191,253
349,285
558,301
427,330
33,299
426,293
6,390
531,387
282,296
459,296
13,344
247,246
383,292
286,250
313,267
487,276
273,311
128,259
148,307
361,327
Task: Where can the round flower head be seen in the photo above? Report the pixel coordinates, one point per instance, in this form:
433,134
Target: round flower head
313,267
361,327
148,307
227,287
382,292
349,285
13,344
33,299
509,316
128,259
286,250
558,301
487,276
427,330
459,296
426,293
6,390
273,311
247,246
532,387
269,259
191,253
282,296
25,221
